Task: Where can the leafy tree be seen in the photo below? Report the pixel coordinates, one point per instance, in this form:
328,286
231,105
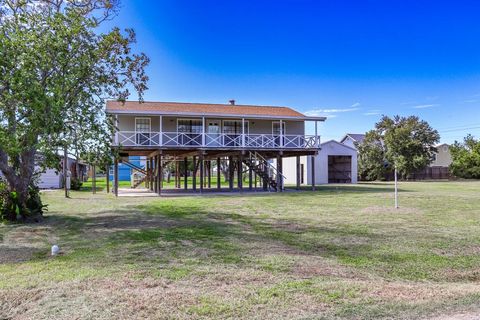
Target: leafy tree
405,142
371,158
409,142
56,70
466,158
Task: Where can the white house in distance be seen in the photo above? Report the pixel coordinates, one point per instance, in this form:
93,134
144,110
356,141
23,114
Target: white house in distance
53,179
442,158
351,138
334,163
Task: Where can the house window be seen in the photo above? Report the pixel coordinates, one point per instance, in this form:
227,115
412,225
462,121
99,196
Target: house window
190,130
233,130
142,124
234,127
189,125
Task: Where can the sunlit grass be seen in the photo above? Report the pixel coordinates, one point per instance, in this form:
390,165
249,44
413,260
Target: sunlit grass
342,251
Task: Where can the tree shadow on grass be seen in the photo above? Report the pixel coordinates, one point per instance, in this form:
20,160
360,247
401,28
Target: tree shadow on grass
348,188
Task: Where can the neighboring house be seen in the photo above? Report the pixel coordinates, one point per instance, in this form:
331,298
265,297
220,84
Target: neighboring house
350,139
442,158
53,179
245,137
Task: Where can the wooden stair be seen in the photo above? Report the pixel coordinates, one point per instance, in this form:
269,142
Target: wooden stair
262,168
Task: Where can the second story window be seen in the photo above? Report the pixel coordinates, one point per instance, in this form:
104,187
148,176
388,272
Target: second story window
189,126
234,127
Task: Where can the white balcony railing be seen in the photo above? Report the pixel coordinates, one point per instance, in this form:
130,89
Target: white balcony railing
216,140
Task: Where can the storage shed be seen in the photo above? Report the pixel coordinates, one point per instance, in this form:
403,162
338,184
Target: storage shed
335,163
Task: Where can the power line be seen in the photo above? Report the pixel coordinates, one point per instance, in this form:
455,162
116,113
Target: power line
460,126
463,129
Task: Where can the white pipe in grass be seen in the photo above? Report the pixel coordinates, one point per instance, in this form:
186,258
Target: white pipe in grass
55,250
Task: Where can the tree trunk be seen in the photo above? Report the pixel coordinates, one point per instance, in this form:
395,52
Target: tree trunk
18,183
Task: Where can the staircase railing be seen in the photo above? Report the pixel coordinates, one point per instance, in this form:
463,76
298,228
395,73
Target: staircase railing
259,157
265,170
134,167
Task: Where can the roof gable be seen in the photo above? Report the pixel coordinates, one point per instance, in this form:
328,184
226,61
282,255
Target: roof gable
356,137
337,143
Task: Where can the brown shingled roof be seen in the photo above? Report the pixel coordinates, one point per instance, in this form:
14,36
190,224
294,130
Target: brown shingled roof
200,109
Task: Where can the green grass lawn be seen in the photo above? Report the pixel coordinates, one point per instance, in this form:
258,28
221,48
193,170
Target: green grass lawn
340,252
101,183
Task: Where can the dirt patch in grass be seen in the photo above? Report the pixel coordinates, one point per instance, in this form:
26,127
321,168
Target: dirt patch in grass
16,254
310,266
459,251
418,293
467,315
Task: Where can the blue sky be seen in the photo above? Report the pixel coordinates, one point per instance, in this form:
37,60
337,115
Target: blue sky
349,60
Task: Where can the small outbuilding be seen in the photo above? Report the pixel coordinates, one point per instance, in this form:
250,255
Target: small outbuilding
335,163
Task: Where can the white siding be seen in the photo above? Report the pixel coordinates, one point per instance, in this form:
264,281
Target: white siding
330,148
49,180
349,142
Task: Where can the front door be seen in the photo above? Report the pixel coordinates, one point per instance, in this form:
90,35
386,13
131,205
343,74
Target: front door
278,131
213,137
142,131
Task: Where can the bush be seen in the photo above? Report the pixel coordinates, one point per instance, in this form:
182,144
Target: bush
75,184
9,204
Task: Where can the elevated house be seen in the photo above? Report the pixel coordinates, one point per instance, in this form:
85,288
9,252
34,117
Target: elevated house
246,138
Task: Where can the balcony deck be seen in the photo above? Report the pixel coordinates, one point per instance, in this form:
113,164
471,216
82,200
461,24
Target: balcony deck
183,140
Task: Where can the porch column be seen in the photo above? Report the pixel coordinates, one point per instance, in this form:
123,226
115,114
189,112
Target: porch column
266,177
243,132
160,133
159,174
203,131
209,173
250,174
177,174
312,159
279,173
194,177
316,135
147,170
151,173
219,174
230,173
185,173
240,172
154,176
281,133
202,172
298,172
115,176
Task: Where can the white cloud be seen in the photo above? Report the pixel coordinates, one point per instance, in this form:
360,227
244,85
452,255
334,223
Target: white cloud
471,101
424,106
331,113
372,113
